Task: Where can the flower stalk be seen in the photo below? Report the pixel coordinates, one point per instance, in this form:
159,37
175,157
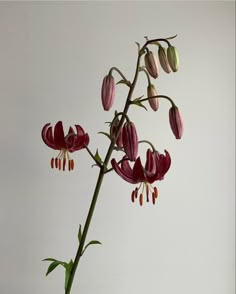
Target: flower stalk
102,172
156,166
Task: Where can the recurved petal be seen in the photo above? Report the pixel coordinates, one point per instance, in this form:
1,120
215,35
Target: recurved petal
59,137
47,136
80,130
138,171
125,166
122,173
150,165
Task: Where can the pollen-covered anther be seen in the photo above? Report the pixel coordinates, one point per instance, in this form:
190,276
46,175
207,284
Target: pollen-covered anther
60,162
71,164
141,199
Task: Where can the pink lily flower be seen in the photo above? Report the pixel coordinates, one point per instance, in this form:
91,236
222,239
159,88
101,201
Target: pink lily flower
72,142
155,168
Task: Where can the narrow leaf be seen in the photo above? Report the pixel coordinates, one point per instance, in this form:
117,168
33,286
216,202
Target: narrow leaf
138,45
139,104
106,134
125,82
97,157
93,242
49,259
80,233
52,266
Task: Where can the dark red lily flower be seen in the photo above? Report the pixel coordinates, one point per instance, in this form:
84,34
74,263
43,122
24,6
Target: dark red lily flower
155,168
73,141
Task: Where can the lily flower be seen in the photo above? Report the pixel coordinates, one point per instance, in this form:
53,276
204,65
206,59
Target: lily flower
73,141
155,168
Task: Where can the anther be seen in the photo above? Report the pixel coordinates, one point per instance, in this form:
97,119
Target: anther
59,163
64,163
155,192
141,199
52,163
133,196
153,198
56,162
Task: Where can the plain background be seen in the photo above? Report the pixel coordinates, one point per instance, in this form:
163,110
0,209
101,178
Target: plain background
53,57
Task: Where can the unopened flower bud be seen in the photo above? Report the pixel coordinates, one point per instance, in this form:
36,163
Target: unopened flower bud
151,64
130,140
163,59
173,58
108,92
176,122
113,130
154,102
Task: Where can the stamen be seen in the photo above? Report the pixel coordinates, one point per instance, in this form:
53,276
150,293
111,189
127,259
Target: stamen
153,198
52,163
59,163
56,162
133,196
71,164
141,199
64,163
147,192
136,192
155,191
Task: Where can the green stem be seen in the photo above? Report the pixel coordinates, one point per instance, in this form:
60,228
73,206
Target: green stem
158,96
102,172
119,72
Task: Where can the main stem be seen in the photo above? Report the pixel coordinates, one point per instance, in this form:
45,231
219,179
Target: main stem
99,181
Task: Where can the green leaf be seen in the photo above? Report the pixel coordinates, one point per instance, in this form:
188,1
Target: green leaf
93,242
125,82
97,157
51,267
49,259
80,233
139,104
68,272
54,264
106,134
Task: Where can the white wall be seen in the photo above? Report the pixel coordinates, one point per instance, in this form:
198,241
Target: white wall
53,57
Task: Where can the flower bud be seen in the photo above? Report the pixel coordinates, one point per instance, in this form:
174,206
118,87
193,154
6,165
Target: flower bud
163,59
176,122
173,58
154,102
130,140
113,130
108,92
151,64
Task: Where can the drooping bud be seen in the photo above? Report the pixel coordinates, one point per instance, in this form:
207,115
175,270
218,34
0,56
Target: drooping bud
113,130
154,102
173,58
163,59
151,64
108,92
176,122
130,140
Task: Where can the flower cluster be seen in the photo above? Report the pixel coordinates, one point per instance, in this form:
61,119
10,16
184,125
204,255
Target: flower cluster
123,133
